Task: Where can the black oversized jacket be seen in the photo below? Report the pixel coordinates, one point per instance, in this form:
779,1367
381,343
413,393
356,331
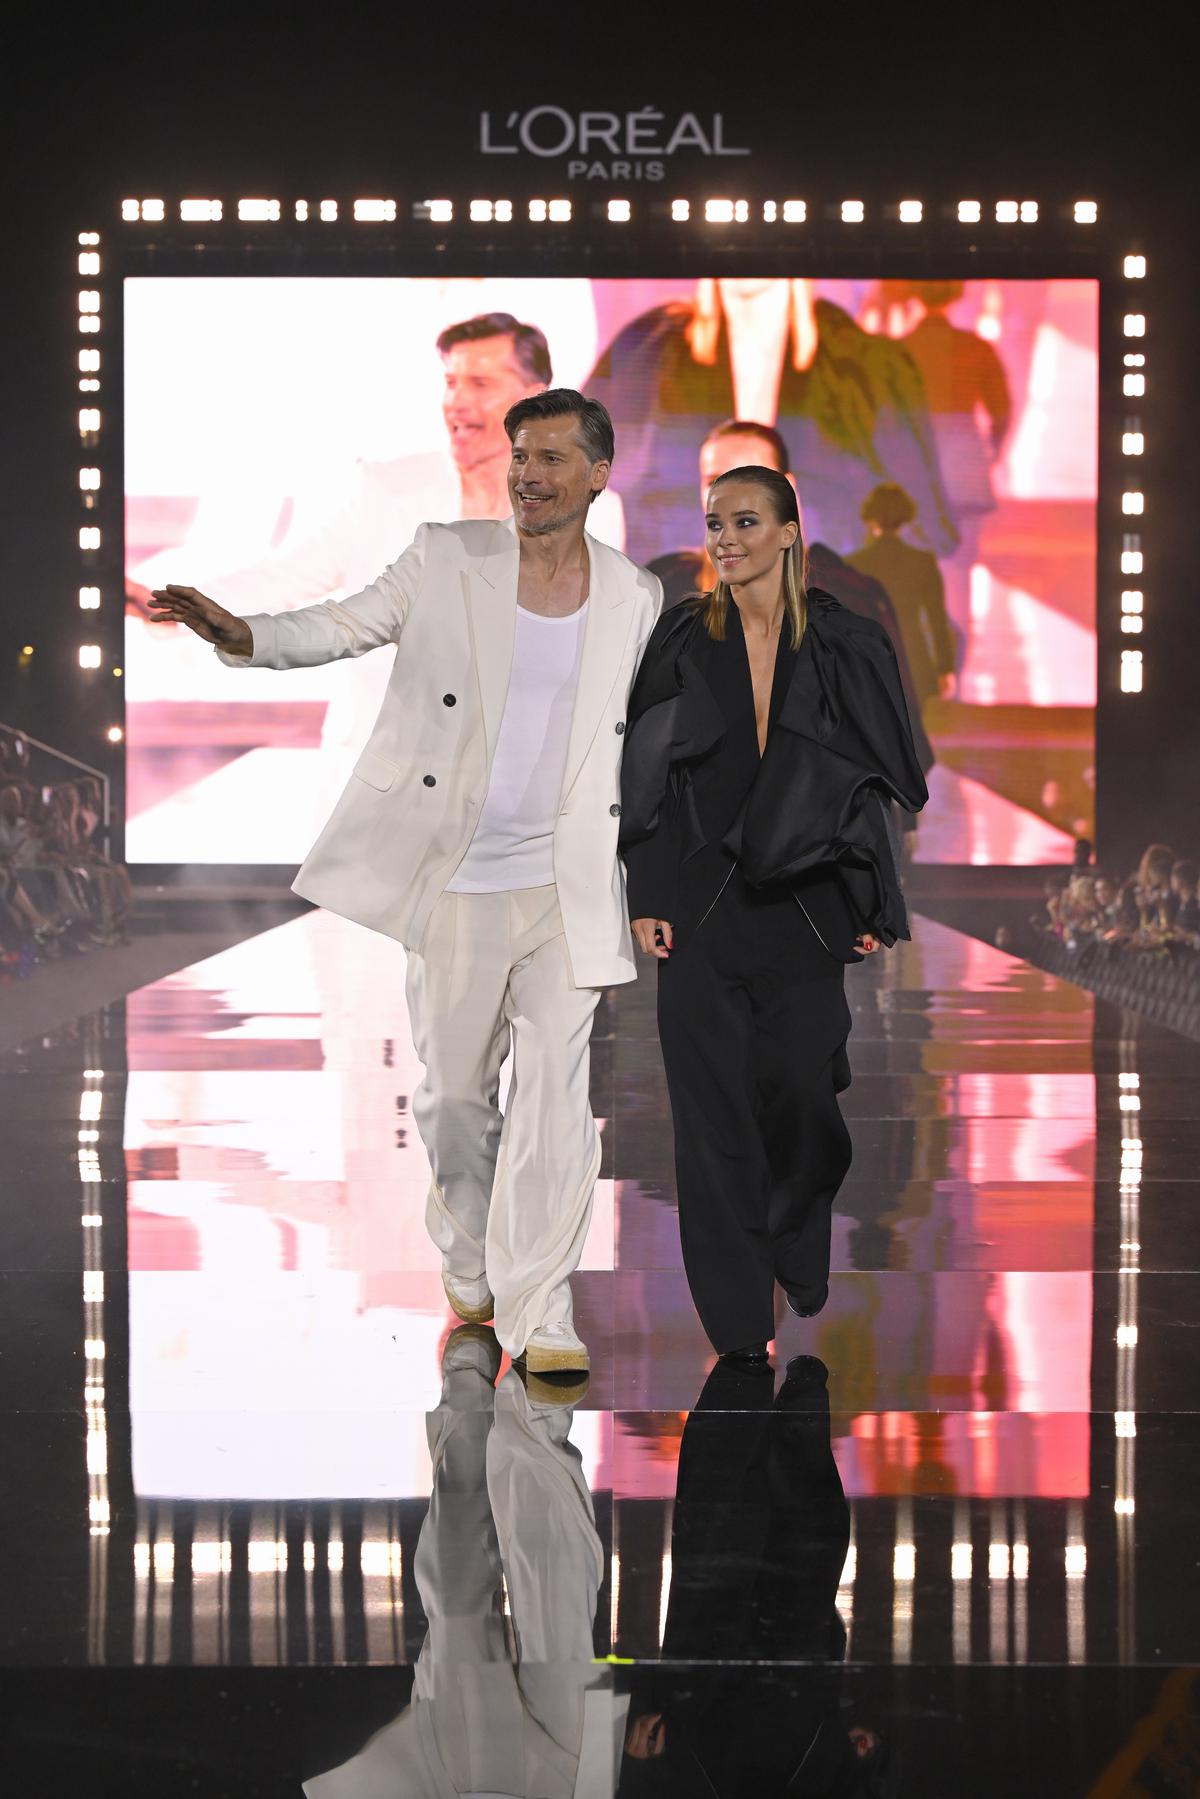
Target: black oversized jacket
839,749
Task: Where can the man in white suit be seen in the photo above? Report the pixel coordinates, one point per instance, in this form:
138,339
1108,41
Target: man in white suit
517,1705
480,829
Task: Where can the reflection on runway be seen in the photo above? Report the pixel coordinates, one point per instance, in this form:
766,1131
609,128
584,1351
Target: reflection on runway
248,1437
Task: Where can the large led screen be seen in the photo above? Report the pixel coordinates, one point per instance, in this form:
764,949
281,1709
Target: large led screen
286,436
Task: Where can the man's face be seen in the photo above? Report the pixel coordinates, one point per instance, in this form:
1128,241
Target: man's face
739,450
482,380
551,478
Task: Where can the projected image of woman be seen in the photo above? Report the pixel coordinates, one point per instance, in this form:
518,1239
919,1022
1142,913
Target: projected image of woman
767,737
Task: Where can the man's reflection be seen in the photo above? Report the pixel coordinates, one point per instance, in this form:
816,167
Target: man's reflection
758,1544
500,1707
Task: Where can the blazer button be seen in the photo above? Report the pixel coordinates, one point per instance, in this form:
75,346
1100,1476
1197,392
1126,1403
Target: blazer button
430,780
621,728
614,811
448,699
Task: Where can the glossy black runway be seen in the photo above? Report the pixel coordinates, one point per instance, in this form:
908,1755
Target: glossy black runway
252,1477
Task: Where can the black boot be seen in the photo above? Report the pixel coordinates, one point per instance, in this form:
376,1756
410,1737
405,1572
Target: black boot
807,1301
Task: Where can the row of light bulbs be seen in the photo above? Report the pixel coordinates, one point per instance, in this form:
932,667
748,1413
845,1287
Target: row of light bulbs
718,210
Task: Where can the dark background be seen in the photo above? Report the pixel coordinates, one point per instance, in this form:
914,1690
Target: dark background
1007,101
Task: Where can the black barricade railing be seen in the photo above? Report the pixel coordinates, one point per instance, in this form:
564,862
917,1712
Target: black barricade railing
1161,983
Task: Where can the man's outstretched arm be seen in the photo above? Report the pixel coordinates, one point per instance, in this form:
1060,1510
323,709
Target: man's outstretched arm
310,635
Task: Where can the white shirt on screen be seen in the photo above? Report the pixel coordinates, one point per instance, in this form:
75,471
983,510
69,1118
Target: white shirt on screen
513,845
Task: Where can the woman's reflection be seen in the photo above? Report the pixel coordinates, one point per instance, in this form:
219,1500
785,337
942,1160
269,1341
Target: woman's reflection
758,1544
500,1707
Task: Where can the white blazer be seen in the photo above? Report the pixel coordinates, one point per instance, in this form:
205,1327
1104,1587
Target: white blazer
403,824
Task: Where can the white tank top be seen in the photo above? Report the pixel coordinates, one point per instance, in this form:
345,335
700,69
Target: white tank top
513,845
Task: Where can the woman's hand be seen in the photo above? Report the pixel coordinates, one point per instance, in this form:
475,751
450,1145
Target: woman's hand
866,944
653,937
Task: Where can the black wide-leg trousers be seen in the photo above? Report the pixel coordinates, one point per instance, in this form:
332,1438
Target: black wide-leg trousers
753,1022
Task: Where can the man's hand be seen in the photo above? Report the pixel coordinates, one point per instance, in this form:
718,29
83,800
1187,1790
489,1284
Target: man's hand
653,937
947,686
184,606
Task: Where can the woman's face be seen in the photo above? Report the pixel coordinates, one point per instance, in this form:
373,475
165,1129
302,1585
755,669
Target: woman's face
744,539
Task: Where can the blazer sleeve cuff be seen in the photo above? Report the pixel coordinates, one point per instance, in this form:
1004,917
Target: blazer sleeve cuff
262,655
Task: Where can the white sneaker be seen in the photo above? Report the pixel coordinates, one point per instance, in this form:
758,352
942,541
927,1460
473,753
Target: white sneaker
555,1349
470,1300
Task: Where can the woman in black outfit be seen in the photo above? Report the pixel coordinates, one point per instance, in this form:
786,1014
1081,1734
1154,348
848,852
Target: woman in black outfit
767,735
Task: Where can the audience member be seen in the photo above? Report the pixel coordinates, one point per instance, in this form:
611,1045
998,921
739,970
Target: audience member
1156,908
58,892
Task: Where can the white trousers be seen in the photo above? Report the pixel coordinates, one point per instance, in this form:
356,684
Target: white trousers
511,1195
536,1715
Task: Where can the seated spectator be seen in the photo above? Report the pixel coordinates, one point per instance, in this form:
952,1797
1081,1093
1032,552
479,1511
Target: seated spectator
1152,884
1054,887
111,878
27,885
1115,918
1078,911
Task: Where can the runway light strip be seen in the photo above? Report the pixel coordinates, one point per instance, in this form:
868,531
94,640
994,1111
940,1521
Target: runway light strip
212,1558
380,1558
266,1556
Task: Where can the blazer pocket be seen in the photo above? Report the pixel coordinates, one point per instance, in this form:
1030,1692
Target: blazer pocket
376,770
